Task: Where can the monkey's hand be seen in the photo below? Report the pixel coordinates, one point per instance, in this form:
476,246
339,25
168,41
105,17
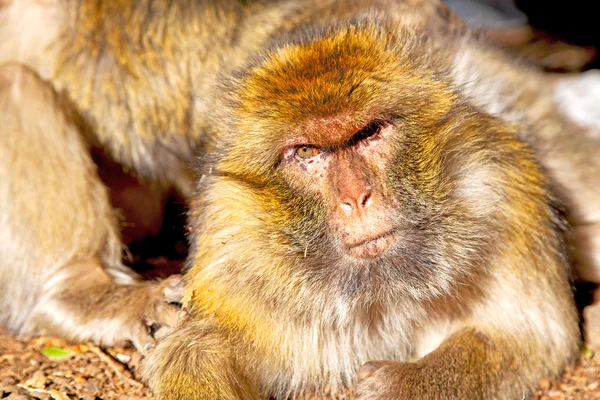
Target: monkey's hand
470,364
155,311
197,361
94,308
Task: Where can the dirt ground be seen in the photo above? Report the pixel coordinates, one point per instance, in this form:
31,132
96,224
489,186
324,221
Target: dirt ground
49,368
82,372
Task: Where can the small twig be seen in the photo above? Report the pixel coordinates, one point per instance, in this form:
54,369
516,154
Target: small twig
56,395
115,365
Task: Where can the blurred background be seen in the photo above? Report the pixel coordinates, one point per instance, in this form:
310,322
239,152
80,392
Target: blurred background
562,36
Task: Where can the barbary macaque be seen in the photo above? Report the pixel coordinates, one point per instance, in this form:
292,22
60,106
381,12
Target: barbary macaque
376,210
379,217
134,80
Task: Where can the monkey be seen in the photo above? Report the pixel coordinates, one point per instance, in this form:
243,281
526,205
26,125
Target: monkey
61,250
381,217
141,80
132,82
141,75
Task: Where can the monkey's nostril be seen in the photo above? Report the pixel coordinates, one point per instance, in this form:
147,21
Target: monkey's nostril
356,203
366,200
347,206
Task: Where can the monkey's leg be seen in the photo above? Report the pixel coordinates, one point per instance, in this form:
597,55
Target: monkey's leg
469,365
60,250
197,362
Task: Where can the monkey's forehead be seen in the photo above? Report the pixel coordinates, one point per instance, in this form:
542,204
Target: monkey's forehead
316,91
319,77
351,68
342,68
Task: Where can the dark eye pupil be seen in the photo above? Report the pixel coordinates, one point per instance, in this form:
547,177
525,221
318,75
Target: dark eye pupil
304,152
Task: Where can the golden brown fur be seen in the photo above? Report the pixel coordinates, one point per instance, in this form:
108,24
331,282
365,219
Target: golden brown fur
472,297
134,79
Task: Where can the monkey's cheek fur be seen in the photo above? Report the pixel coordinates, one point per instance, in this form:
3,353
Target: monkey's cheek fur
384,380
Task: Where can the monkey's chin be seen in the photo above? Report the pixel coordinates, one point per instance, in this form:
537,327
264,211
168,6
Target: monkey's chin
373,247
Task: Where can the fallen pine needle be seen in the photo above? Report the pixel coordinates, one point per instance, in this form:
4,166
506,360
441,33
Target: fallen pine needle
115,365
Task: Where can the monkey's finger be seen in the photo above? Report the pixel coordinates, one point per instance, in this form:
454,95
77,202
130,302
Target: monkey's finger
141,338
173,289
162,331
368,369
164,314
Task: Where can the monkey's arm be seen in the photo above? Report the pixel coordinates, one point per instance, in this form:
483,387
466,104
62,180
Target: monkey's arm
197,362
503,348
90,306
469,364
60,250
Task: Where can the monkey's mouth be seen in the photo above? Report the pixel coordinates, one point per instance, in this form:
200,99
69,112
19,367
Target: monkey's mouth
371,247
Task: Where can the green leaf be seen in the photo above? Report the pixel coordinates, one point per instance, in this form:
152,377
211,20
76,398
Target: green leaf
586,352
56,353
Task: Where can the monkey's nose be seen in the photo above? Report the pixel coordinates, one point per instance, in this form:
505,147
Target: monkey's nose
357,203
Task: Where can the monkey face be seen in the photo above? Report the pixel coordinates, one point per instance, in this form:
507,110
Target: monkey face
381,199
359,160
347,179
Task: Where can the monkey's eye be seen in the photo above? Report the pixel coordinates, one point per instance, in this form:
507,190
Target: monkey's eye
369,131
305,152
